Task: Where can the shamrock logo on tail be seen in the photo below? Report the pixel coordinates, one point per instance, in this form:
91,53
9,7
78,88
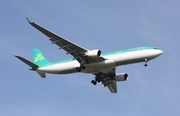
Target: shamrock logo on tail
39,57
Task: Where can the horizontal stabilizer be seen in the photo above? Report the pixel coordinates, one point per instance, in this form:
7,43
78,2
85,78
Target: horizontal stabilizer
43,75
34,66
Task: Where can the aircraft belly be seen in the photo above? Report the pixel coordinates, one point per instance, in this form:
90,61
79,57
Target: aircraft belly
100,66
64,68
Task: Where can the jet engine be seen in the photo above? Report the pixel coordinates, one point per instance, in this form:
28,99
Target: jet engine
93,53
121,77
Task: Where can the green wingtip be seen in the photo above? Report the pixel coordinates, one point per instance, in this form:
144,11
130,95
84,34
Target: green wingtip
29,21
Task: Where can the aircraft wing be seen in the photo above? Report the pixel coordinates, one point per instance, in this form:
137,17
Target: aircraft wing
71,48
108,79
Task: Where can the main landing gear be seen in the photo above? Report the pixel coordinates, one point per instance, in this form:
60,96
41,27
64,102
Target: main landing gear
145,62
82,65
79,68
94,82
97,79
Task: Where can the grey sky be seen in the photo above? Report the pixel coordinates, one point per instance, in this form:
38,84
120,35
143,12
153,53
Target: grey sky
105,25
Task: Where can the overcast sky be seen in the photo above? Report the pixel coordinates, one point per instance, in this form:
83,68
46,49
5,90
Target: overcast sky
96,24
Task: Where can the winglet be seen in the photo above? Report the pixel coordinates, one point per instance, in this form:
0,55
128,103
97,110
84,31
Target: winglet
29,21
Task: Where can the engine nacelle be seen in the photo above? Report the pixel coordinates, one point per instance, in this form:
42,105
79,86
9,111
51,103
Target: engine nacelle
121,77
93,53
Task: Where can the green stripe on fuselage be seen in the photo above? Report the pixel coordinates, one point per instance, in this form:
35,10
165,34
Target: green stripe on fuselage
105,54
59,62
128,50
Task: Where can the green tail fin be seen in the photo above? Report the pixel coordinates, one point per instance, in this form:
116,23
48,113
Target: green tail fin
39,58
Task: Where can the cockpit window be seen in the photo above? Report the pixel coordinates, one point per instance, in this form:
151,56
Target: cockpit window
156,48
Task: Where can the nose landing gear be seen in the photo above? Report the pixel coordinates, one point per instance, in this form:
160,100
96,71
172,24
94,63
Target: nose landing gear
145,62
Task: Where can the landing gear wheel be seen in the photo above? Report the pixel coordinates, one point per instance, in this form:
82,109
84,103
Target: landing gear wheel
93,82
98,80
145,65
78,69
145,62
82,67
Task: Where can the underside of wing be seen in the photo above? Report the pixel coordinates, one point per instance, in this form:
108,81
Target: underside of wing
112,86
107,78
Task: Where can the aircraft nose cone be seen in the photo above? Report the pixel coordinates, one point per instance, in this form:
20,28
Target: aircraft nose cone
160,52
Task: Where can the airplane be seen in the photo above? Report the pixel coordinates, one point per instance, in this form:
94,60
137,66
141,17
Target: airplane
101,65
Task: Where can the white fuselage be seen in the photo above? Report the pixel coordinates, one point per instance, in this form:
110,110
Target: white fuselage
111,61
